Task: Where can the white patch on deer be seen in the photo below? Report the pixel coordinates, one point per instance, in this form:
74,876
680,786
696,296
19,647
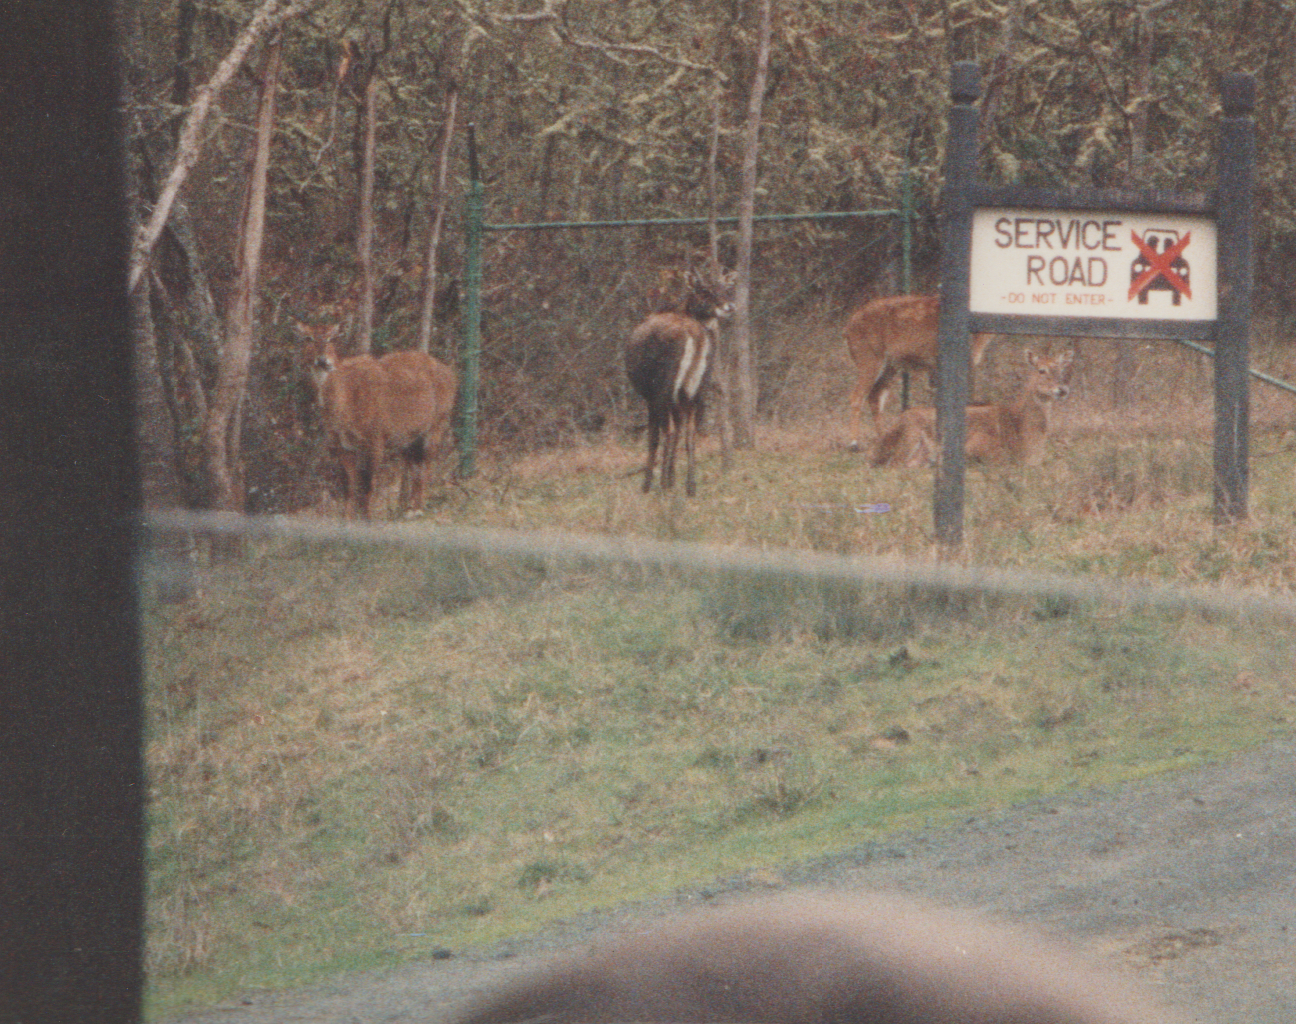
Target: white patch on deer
693,365
685,366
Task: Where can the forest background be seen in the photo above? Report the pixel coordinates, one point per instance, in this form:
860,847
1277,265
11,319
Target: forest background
325,182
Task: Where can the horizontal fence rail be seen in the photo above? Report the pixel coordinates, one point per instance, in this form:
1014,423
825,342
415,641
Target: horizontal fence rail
760,218
1257,374
710,560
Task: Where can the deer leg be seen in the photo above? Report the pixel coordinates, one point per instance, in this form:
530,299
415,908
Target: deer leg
372,464
857,409
351,469
415,458
924,450
418,497
677,428
880,391
690,441
669,446
654,436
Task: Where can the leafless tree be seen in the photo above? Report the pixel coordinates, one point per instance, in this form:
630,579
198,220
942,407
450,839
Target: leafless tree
744,374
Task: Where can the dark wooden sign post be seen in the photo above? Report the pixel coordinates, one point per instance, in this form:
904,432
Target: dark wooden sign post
1096,263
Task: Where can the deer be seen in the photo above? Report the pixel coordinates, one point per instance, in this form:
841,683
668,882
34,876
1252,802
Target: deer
863,959
891,334
668,359
369,406
1011,432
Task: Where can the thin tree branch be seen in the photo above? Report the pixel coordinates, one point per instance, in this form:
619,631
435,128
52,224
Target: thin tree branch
268,17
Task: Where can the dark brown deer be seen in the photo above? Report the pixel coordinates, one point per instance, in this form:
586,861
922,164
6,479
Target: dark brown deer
369,406
888,335
1009,432
801,960
669,360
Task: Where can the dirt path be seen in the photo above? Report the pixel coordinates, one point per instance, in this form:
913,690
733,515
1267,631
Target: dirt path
1188,881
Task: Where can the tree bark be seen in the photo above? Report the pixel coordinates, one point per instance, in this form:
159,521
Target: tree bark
1003,60
744,375
723,378
1140,101
221,455
268,17
364,219
171,550
438,219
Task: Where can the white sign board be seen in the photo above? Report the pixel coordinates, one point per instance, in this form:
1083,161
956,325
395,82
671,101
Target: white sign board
1093,264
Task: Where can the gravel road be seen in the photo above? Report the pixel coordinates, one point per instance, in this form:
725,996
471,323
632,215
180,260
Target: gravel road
1186,881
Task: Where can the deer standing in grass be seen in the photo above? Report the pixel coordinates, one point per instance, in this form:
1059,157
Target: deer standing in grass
1011,432
800,960
888,335
669,360
401,401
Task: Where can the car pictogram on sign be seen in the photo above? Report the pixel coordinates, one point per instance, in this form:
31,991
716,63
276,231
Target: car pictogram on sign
1160,265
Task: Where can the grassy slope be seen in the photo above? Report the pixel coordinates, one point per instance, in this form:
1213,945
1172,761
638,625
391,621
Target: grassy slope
359,756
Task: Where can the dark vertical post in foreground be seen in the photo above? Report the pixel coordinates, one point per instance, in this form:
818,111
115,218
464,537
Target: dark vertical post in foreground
956,240
1233,321
71,785
470,356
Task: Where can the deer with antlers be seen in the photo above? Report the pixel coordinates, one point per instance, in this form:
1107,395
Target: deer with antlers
888,335
370,406
868,959
1011,432
669,360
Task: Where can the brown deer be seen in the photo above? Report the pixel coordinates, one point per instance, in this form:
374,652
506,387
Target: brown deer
798,959
1012,432
369,406
888,335
669,360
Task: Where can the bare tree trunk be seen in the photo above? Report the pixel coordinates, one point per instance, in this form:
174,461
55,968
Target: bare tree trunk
1289,123
438,219
182,83
744,375
221,455
171,552
268,17
157,414
723,378
1144,49
1000,66
1141,87
364,221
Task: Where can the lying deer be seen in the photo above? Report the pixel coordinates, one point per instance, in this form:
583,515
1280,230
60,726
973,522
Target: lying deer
1014,432
669,360
799,960
888,335
369,406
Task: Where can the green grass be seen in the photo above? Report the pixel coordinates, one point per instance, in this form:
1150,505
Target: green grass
357,755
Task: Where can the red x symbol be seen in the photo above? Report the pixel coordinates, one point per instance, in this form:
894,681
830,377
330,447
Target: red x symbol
1159,266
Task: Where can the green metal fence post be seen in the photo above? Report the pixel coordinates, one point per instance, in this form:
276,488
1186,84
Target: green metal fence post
470,349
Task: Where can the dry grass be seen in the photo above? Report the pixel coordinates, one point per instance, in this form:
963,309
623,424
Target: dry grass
357,756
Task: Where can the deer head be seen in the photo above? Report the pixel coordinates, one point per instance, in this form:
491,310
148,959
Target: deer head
319,349
710,294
